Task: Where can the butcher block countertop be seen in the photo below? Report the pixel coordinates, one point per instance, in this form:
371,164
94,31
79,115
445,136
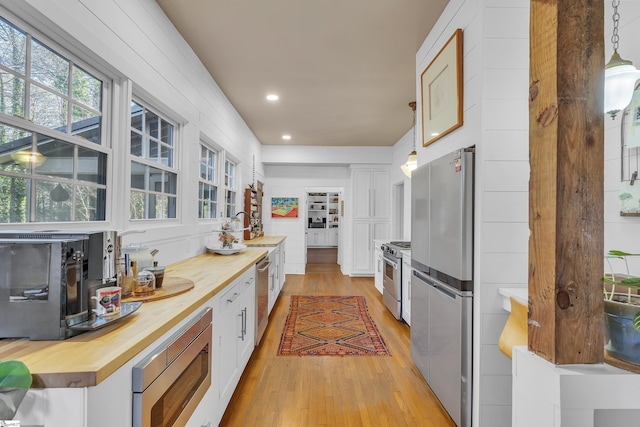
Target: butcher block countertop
264,241
87,359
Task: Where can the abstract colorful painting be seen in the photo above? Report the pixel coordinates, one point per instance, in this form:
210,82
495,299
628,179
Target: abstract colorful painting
284,207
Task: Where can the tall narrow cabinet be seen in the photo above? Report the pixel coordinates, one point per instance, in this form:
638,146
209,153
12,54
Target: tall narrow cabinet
371,189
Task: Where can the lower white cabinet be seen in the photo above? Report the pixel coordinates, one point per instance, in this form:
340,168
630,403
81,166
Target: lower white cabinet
365,232
322,237
378,268
406,289
274,280
233,334
316,237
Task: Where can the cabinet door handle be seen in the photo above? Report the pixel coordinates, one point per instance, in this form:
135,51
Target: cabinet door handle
243,323
373,202
233,298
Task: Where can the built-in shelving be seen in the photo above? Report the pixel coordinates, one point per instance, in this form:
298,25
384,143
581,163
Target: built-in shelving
253,206
323,218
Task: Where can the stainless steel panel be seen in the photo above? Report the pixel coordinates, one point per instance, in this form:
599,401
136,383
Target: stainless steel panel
451,215
394,305
420,179
420,324
262,298
442,345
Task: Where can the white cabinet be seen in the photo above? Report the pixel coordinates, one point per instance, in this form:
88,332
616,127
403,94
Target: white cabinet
371,207
234,333
378,267
406,287
371,189
316,237
281,272
332,237
274,281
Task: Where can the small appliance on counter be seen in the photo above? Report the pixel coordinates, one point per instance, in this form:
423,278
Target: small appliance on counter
47,280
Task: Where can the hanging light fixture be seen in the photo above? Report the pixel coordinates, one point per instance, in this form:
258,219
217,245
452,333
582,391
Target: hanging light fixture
412,160
620,75
28,158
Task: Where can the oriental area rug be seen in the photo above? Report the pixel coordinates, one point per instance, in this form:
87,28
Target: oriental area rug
330,326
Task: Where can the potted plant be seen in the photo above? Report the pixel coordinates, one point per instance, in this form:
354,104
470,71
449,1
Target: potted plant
622,311
15,380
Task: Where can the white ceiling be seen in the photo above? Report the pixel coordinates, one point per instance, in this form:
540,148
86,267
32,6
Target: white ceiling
344,69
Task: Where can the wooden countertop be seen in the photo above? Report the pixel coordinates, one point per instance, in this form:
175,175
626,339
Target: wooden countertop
264,241
87,359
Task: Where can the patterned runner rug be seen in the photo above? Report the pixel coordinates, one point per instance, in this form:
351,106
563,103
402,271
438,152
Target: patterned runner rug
330,326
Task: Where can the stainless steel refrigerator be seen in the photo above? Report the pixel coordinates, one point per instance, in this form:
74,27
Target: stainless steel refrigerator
442,279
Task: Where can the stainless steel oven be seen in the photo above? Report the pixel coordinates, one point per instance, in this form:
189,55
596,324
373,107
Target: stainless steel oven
169,383
392,276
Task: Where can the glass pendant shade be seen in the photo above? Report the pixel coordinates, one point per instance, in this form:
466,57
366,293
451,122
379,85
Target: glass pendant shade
27,159
411,165
620,77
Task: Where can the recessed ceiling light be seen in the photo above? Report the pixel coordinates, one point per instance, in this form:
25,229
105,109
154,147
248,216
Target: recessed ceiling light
272,97
287,137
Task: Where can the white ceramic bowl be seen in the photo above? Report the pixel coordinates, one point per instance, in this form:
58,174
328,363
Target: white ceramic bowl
237,247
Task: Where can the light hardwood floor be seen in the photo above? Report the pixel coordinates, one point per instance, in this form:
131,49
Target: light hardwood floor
309,391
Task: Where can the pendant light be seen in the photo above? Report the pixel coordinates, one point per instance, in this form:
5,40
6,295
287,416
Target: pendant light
412,160
620,75
28,158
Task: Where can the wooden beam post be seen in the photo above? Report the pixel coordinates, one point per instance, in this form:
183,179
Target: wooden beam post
566,187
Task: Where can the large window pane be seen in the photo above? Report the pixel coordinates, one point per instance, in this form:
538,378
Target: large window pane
151,123
48,177
87,203
85,123
152,138
13,193
136,144
155,179
49,210
49,68
48,109
12,94
92,166
167,133
170,183
138,175
86,88
59,155
13,47
136,116
137,210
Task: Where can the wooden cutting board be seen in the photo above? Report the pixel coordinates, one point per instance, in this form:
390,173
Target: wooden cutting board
171,286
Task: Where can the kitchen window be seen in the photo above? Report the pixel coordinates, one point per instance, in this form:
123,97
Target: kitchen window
230,170
208,183
154,179
52,154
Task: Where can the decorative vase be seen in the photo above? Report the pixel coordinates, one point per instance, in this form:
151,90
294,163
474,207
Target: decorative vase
622,341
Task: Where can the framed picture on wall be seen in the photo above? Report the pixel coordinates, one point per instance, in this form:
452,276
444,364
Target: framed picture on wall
284,207
441,91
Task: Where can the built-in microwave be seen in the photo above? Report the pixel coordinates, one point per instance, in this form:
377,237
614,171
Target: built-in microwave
170,382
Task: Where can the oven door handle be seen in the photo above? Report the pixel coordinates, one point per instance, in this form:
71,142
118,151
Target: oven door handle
391,263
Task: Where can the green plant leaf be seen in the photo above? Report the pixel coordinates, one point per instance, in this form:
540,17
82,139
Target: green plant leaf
14,374
615,252
636,322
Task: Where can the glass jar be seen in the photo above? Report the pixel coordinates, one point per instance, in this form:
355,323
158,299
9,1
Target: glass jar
144,284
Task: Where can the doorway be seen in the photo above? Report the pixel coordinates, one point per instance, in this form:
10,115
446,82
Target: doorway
323,227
